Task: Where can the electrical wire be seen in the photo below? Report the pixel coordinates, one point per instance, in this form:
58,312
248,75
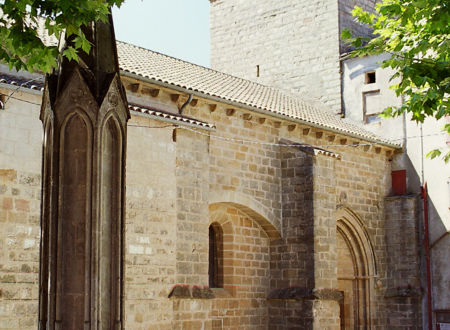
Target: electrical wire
19,99
21,86
244,141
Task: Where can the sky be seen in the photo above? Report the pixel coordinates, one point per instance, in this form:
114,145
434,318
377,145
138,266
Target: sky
179,28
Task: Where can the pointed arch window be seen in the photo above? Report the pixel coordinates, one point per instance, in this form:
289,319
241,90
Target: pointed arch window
215,269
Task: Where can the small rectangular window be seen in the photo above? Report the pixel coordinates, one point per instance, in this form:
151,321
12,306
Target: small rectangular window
370,77
372,106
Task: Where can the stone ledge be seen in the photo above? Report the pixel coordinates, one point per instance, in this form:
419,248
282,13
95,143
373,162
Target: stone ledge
185,291
298,293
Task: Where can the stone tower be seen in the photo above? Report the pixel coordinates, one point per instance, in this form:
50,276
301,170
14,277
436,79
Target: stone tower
293,45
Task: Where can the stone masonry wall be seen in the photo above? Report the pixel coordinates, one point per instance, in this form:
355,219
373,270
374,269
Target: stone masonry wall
294,43
303,262
346,20
20,186
325,254
151,225
192,176
243,173
292,256
360,181
242,302
173,191
403,292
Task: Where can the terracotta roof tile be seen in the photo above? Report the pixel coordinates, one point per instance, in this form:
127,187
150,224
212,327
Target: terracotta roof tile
164,69
161,68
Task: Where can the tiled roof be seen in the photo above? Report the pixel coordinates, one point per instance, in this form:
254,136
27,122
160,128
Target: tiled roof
166,70
208,83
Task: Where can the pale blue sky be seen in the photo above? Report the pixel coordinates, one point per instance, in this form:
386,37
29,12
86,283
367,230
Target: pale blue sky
179,28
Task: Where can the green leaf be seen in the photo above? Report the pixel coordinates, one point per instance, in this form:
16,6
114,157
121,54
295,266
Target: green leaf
21,47
420,3
434,153
391,10
446,128
387,113
81,42
346,34
416,34
447,157
70,53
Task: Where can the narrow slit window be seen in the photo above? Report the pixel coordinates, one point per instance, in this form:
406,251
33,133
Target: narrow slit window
257,70
215,269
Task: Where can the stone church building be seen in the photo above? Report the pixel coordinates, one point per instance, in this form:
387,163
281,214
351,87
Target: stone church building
250,202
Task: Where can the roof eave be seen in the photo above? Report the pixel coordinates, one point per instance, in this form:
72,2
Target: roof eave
18,88
255,109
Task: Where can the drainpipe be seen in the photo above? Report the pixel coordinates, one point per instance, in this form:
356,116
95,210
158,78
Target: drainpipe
341,73
422,170
426,243
186,103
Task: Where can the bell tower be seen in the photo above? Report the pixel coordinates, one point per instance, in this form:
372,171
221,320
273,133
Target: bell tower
293,45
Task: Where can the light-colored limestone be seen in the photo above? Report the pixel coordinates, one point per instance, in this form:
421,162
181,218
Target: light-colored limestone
170,187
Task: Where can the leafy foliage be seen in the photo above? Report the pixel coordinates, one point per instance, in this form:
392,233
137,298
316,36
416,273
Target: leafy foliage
417,35
20,21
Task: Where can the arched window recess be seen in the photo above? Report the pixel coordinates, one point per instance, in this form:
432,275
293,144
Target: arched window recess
215,269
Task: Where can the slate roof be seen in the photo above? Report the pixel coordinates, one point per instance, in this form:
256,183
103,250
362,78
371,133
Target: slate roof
35,84
170,117
208,83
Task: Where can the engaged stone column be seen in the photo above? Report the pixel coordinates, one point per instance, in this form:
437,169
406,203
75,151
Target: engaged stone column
84,114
